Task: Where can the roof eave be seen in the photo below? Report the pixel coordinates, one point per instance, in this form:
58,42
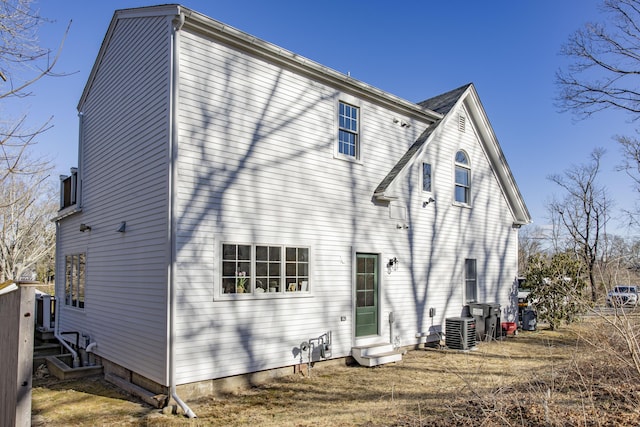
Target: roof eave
283,57
498,160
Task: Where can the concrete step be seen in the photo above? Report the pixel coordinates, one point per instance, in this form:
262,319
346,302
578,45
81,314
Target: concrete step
47,349
375,354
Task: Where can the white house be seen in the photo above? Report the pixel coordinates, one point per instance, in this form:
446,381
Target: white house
234,201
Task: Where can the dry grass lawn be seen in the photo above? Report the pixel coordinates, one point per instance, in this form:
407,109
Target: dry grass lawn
537,378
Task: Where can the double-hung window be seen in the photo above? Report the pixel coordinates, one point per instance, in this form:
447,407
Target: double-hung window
74,280
463,179
264,269
470,280
348,131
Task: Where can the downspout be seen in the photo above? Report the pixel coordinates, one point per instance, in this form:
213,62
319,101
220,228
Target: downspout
173,152
56,333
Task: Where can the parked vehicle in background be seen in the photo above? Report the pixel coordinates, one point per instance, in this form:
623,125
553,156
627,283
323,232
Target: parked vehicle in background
623,295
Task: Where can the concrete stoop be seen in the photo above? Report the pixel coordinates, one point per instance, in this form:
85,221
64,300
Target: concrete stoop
375,354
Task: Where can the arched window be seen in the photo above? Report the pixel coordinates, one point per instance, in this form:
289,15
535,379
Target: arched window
463,179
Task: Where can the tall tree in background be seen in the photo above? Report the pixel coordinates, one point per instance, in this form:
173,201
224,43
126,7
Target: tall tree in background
25,199
530,243
603,74
22,63
583,212
606,62
630,147
27,234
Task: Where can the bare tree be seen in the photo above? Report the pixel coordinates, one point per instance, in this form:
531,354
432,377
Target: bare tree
26,204
603,74
22,63
630,148
22,60
605,63
583,212
27,233
531,241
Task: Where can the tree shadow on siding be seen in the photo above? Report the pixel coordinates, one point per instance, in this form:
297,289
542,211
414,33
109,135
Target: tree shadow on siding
245,143
441,236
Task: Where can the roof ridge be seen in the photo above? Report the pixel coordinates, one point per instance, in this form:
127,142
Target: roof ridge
444,102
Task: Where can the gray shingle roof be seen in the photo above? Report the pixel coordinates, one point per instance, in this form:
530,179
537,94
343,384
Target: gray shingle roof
441,104
444,103
405,159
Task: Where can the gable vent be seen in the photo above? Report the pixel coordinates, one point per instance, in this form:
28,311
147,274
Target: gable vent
461,122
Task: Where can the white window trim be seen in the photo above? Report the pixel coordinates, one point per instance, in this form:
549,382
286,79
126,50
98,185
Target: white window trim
455,183
221,296
72,253
429,192
465,300
354,102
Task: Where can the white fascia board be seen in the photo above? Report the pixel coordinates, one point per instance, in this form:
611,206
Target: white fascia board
285,58
496,157
162,10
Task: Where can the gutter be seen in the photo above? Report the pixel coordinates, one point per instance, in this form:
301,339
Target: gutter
178,22
292,61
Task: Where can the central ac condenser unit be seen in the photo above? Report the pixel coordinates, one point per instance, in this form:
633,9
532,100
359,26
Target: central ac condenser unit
460,333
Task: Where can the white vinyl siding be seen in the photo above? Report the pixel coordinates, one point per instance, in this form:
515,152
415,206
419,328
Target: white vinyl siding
125,178
256,148
241,179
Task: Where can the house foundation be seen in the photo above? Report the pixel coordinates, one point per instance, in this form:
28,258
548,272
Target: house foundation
158,395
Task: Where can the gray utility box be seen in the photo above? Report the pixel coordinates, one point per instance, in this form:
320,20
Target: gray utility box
487,317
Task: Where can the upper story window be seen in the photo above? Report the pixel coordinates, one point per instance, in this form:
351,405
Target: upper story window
69,189
463,179
348,130
426,177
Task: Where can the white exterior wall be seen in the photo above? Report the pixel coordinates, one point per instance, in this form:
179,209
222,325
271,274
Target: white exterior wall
256,166
125,165
442,235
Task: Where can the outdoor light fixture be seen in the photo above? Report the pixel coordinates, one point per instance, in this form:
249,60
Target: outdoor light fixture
123,227
84,227
392,264
426,202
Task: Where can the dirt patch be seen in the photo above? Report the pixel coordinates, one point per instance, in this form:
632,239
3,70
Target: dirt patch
536,378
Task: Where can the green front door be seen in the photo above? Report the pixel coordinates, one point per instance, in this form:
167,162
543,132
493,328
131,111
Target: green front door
366,295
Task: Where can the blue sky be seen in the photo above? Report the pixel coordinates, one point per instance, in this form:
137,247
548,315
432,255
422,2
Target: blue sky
416,50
